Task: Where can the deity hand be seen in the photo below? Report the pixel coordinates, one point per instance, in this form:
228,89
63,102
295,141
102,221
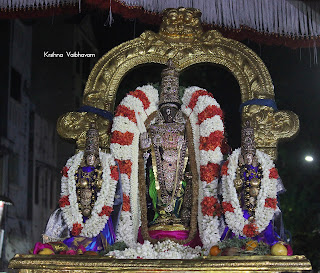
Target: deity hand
145,141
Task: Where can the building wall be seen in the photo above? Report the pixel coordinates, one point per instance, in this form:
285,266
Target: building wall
29,162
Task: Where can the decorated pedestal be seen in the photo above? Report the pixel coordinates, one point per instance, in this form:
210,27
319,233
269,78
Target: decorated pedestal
41,264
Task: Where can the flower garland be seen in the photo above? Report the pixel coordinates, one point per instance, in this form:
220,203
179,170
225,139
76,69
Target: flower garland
206,121
105,198
129,122
266,200
161,250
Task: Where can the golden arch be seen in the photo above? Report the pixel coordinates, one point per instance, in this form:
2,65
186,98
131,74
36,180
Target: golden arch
187,46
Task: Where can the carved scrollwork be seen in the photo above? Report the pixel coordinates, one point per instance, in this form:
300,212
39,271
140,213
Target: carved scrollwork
182,39
74,126
270,126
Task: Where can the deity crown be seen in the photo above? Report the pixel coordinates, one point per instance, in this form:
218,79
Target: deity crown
248,145
169,85
92,140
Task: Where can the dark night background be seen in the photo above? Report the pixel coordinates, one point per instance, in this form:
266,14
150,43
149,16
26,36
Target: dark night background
296,80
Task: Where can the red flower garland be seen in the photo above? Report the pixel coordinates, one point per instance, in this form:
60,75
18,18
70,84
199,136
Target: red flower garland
64,201
227,207
142,97
224,168
106,210
126,203
209,112
209,172
124,111
76,229
114,172
64,171
211,142
196,95
271,203
250,230
122,138
210,206
125,166
273,173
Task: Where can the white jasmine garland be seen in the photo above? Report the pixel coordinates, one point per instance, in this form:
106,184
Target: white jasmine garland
161,250
208,225
71,213
130,220
263,215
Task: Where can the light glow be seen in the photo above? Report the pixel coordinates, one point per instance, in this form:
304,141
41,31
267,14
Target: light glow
308,158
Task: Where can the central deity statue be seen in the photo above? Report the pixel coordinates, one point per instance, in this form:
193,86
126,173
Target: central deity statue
168,175
168,150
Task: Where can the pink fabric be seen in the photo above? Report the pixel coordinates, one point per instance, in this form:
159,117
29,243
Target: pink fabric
289,249
178,235
39,246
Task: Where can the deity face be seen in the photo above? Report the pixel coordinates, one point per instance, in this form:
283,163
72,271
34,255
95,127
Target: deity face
168,112
248,158
91,159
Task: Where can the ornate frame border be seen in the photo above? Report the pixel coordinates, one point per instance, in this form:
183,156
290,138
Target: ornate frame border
182,39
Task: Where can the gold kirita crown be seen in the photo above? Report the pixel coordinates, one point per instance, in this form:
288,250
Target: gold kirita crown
92,140
169,85
248,145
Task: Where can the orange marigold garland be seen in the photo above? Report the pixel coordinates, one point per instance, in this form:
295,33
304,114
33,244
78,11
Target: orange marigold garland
124,111
209,112
64,201
250,230
274,173
209,172
122,138
210,206
114,172
64,171
271,203
211,142
142,97
126,203
224,168
227,207
106,210
76,229
125,166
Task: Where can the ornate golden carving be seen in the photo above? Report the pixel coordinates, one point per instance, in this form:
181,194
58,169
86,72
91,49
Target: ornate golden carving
74,125
182,39
270,126
62,263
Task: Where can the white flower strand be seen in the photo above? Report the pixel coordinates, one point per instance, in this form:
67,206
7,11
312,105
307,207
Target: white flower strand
208,225
130,220
162,250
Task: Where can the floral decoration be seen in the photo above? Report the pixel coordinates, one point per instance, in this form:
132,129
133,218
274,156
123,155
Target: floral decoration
64,201
273,173
226,206
69,204
106,210
207,127
271,203
266,199
64,171
76,229
205,116
250,230
161,250
210,206
126,203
